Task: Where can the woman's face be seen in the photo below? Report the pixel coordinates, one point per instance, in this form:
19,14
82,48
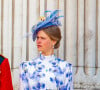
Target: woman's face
44,43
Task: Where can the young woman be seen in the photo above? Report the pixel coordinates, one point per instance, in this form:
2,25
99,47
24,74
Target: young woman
46,72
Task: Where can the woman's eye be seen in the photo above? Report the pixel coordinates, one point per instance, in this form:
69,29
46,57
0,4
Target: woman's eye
37,38
42,38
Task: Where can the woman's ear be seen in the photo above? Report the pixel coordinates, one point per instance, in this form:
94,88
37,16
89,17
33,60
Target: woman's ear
54,42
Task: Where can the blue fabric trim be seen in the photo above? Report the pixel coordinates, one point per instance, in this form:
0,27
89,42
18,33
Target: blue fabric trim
1,59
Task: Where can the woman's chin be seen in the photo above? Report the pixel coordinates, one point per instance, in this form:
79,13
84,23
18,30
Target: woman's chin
39,50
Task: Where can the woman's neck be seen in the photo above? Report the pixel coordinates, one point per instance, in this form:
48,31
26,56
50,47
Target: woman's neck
48,53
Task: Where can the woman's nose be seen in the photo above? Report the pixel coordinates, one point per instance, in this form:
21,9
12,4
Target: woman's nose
38,40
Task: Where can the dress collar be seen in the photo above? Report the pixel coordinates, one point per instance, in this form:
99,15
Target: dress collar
49,57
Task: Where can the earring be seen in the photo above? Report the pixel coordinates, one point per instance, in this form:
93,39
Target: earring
53,46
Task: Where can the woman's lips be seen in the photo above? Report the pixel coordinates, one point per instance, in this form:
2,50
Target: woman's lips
39,46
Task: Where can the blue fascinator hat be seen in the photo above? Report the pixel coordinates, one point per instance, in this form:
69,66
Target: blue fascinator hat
51,20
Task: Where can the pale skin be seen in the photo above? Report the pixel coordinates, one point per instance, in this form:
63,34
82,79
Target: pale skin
44,43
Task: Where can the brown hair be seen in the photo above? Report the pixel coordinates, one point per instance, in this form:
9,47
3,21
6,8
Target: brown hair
54,33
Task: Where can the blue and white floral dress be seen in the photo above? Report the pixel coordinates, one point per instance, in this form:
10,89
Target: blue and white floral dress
46,73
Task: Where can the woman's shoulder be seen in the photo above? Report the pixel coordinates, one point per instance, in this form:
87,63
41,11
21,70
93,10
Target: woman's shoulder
64,63
25,64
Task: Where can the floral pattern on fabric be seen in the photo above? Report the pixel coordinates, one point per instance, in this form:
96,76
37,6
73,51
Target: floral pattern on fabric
46,73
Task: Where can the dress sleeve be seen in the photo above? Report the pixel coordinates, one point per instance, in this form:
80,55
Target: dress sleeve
68,78
23,76
70,75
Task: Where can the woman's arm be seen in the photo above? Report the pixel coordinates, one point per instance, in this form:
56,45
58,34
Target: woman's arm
68,78
23,77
